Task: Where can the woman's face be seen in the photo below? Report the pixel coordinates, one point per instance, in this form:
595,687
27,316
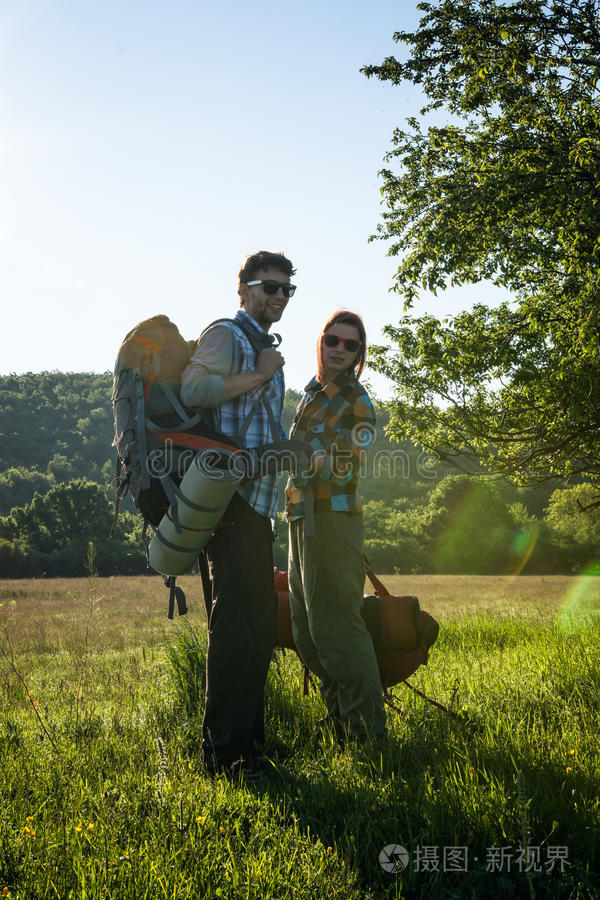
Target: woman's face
337,359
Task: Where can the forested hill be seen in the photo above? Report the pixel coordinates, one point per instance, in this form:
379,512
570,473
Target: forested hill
57,463
56,427
57,423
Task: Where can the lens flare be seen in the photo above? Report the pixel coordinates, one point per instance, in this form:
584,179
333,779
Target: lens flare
523,545
478,536
582,601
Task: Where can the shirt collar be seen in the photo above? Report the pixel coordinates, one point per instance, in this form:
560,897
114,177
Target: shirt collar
248,320
333,387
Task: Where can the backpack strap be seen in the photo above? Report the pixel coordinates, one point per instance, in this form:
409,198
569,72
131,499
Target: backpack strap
140,422
380,589
258,342
241,434
174,401
187,422
174,429
309,512
172,493
207,585
175,593
120,492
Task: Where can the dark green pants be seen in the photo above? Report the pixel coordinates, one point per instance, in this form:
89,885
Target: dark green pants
241,635
327,578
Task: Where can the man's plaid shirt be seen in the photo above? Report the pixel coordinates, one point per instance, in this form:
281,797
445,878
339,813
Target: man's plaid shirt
338,419
228,416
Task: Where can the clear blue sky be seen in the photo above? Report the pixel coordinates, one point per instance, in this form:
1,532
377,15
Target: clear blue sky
147,147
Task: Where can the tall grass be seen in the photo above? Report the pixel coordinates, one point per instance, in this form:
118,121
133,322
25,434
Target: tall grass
119,806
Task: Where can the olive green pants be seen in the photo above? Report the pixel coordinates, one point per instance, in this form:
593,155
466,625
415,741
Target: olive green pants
327,576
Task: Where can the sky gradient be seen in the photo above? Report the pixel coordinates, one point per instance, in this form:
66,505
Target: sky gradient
147,147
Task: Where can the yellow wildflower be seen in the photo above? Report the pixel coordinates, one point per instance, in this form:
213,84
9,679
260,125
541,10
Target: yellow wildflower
29,819
554,825
222,830
200,820
569,769
571,753
90,826
330,850
5,892
78,829
352,837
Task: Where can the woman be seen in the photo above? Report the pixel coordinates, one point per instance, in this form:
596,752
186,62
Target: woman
326,567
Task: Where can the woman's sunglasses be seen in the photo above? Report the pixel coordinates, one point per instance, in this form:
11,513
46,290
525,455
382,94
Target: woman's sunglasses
332,340
270,286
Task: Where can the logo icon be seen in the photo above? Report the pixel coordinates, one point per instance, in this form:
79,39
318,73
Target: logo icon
393,858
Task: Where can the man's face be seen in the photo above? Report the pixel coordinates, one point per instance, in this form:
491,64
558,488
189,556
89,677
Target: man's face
265,308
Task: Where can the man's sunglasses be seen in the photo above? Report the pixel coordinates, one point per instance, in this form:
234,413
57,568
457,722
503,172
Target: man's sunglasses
271,287
351,344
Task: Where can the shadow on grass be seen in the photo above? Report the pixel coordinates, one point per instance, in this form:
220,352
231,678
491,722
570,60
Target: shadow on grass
437,785
432,788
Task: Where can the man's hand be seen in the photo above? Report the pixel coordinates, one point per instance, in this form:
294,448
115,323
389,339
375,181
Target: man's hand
268,362
272,459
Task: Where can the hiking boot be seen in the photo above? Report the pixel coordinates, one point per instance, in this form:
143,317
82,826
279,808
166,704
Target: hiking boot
243,770
239,770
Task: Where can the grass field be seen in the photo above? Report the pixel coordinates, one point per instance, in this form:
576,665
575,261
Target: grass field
102,793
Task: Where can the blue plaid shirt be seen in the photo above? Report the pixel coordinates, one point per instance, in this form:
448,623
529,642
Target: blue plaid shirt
229,416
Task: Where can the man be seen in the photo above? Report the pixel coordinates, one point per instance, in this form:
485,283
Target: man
234,370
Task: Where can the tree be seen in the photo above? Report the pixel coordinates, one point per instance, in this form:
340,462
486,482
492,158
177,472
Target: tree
467,529
509,191
54,531
574,534
391,539
57,422
18,485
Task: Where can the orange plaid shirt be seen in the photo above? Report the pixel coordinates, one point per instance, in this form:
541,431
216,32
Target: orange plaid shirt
337,419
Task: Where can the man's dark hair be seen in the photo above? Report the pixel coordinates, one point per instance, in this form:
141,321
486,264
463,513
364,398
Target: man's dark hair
263,260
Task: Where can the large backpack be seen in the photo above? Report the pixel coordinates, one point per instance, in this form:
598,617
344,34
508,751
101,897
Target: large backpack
150,419
155,435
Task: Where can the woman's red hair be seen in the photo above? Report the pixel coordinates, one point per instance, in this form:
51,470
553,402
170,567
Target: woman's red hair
344,317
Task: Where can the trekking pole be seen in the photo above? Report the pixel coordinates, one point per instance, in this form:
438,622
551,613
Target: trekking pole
433,702
308,679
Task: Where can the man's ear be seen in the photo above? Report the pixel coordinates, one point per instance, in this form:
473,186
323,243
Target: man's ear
242,291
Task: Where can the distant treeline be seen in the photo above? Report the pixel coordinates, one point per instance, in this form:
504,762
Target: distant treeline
57,465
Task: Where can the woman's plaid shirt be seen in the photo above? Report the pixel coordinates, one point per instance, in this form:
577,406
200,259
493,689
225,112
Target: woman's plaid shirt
338,419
